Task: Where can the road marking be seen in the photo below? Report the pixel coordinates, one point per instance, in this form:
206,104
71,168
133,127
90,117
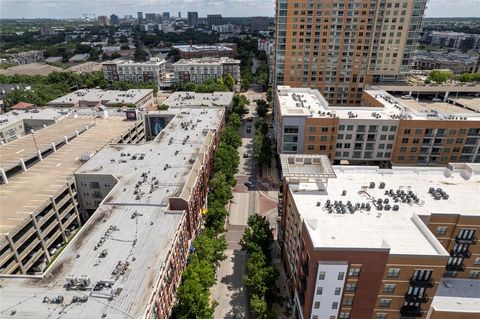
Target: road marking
20,151
59,164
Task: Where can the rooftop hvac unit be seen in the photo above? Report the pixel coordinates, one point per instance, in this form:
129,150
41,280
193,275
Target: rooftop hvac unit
71,280
84,281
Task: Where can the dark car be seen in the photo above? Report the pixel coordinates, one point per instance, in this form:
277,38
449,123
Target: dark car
250,184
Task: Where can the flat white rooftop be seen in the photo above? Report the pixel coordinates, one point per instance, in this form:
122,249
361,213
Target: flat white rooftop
457,295
308,102
133,224
6,119
206,61
192,99
400,230
200,48
105,97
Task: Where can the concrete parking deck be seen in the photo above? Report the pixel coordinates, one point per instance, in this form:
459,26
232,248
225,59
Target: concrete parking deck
28,191
46,139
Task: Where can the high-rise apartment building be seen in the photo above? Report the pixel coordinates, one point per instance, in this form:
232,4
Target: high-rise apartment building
339,46
214,19
192,18
364,242
151,17
103,20
140,16
114,19
166,15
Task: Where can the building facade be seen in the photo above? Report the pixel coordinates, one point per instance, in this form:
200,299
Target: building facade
259,24
200,70
384,131
192,18
339,47
203,51
214,19
357,243
151,71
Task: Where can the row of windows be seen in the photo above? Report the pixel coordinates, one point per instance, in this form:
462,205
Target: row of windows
358,154
371,128
341,315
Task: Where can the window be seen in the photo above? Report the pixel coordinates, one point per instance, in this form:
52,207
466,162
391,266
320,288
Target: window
334,305
310,147
441,230
381,316
354,272
407,131
319,290
315,317
393,272
347,301
341,275
405,140
312,129
389,288
311,138
351,287
344,315
316,305
385,303
321,275
337,291
477,261
474,274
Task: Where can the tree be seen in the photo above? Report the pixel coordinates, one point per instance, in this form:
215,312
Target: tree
229,81
440,77
123,39
239,104
111,41
210,247
139,54
262,108
221,191
269,95
257,235
230,136
226,161
235,120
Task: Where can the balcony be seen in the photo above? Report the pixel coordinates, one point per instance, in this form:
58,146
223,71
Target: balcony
423,283
461,254
471,241
415,298
411,311
460,267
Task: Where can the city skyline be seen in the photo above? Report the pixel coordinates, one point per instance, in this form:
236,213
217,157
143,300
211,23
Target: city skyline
73,9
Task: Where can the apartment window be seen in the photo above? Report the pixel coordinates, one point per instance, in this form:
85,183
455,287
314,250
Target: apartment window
343,315
312,129
385,303
349,127
381,316
393,272
315,317
441,230
407,131
323,138
384,128
393,128
405,140
389,288
324,129
351,287
477,261
311,138
334,305
354,272
337,291
321,275
347,301
341,275
316,305
310,147
474,274
418,131
416,140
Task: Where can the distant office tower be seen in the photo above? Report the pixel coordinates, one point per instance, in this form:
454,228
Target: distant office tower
179,14
259,23
192,18
151,17
166,15
214,19
114,19
103,20
140,16
338,47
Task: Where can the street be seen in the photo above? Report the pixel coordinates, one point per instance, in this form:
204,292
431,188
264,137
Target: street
229,291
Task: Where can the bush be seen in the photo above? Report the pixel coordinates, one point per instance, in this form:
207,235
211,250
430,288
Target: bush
440,77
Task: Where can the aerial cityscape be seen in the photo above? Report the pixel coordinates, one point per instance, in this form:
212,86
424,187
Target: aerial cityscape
258,159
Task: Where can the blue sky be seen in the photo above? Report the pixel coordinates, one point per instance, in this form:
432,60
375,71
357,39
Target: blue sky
229,8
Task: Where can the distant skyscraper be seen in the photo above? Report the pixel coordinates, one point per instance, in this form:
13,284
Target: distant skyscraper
214,19
114,19
151,17
166,15
259,23
179,14
192,18
140,16
103,20
339,47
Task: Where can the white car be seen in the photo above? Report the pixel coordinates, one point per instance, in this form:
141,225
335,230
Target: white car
406,97
436,99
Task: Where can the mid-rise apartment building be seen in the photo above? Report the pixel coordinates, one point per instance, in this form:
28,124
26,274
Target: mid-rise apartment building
151,71
384,130
192,18
189,51
364,242
84,98
339,47
144,204
200,70
214,19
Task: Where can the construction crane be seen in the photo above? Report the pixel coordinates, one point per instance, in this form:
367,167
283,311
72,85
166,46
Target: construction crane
86,15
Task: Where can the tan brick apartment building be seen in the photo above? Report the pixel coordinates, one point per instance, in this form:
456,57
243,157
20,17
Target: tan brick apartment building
339,46
364,242
386,130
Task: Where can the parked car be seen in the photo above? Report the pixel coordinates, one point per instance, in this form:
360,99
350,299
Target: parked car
249,129
250,184
436,99
406,97
245,155
249,119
